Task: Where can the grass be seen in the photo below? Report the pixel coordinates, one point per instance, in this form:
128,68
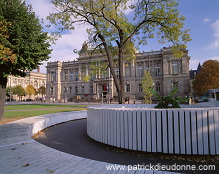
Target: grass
31,113
40,106
16,112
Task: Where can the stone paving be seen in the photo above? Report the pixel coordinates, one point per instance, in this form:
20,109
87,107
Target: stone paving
20,154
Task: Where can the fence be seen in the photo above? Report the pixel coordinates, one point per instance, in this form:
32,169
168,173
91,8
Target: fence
140,127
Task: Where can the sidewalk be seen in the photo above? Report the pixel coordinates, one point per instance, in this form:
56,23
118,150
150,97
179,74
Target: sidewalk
20,154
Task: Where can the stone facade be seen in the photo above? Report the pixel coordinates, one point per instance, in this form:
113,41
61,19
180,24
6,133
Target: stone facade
36,79
65,82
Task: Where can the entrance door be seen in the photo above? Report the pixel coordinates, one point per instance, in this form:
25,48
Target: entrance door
104,90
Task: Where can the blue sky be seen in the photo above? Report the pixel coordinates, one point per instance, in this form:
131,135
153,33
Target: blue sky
202,18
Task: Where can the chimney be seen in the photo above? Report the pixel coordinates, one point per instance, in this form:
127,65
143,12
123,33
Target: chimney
38,69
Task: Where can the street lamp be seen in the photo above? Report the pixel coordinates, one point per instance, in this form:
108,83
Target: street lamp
10,89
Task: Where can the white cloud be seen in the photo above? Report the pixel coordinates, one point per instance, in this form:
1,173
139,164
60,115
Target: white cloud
215,27
206,20
214,58
194,64
215,44
63,49
42,8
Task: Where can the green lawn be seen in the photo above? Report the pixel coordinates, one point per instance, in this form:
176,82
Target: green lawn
41,109
40,106
31,113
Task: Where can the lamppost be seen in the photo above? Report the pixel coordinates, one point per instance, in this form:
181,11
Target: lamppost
10,89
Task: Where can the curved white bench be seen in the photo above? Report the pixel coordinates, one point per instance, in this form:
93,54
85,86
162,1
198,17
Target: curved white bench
20,154
143,128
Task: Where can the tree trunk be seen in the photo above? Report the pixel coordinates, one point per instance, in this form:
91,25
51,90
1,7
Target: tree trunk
121,93
119,83
3,83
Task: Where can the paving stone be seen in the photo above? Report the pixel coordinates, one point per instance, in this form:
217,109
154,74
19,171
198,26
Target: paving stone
20,154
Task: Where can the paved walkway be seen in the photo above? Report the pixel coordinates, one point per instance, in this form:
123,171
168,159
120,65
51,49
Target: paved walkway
20,154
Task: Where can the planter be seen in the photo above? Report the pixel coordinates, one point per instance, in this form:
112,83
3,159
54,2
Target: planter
143,128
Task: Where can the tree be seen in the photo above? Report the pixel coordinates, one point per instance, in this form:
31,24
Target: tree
207,78
6,54
9,91
6,57
25,43
30,90
147,85
20,91
113,30
42,91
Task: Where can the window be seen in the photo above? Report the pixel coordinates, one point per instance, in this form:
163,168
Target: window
43,83
92,74
104,74
175,84
65,90
76,89
76,75
82,89
53,76
140,72
71,75
157,86
91,89
65,75
140,69
51,91
140,88
70,89
175,67
104,87
157,70
35,84
127,88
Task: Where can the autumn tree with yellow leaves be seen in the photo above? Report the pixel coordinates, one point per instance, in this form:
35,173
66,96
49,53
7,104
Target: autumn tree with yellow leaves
207,78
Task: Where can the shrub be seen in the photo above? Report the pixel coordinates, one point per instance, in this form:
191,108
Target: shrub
169,101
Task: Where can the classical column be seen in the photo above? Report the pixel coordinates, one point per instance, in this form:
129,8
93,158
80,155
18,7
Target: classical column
79,71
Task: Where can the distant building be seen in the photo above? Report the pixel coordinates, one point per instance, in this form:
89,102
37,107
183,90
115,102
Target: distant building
36,79
64,79
193,73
